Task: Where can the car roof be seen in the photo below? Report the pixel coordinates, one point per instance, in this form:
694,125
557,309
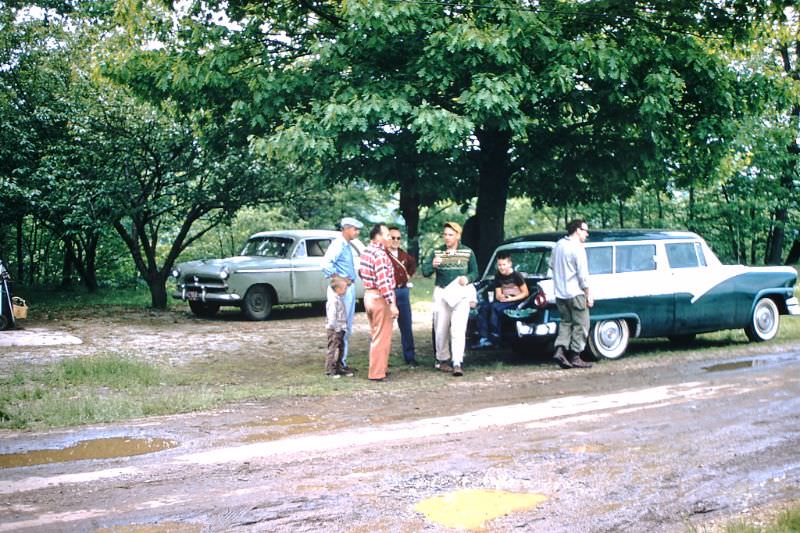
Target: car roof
297,233
611,235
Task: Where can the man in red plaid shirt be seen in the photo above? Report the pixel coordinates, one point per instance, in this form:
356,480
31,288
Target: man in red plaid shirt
377,273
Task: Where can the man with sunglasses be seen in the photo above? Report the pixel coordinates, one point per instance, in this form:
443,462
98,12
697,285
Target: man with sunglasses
404,268
573,298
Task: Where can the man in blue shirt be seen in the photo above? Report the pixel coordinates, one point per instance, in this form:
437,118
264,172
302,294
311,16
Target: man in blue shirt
339,260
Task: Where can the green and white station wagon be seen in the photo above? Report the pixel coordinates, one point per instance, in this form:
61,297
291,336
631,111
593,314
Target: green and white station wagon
649,283
274,267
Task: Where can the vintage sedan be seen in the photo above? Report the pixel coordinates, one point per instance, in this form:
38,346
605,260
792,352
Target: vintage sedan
648,283
274,267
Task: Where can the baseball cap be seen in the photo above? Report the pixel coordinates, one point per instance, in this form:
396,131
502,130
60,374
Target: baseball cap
455,226
350,221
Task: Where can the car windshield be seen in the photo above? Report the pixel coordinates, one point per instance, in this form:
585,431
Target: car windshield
528,261
268,246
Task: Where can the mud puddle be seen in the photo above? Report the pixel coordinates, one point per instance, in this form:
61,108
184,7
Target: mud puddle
470,509
776,360
108,448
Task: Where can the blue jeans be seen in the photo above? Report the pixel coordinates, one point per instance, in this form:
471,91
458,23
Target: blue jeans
490,316
349,306
404,321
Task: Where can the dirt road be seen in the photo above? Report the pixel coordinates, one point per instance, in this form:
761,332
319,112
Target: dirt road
640,444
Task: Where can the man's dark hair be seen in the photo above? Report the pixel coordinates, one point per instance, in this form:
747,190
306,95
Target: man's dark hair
503,255
574,224
395,228
377,229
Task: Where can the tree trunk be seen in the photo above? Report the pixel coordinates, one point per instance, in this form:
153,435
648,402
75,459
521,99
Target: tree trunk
774,250
20,256
660,210
158,291
794,253
494,176
753,240
90,269
409,209
67,269
146,264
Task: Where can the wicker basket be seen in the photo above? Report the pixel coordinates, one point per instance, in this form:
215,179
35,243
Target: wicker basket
20,307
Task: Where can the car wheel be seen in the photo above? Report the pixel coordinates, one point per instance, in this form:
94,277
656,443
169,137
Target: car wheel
682,340
204,309
257,303
608,339
764,323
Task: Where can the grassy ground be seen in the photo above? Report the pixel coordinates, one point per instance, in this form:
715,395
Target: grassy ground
786,521
109,388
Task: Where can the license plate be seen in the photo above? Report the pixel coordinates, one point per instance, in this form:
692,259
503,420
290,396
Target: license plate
192,295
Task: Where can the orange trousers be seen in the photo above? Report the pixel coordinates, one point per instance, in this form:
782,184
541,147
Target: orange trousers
379,315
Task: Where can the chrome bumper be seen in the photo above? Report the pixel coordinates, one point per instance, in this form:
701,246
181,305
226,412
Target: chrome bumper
793,306
203,296
537,330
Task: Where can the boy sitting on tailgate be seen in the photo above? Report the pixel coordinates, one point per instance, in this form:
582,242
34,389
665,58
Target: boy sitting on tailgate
505,292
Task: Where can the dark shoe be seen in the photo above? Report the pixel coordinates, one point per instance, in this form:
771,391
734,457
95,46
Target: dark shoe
457,370
378,380
576,361
343,372
560,358
482,343
444,366
412,364
351,369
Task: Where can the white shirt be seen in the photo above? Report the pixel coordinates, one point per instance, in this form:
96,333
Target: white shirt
570,268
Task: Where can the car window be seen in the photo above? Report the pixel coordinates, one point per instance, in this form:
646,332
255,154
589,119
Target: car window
268,246
636,258
530,261
685,255
601,259
317,247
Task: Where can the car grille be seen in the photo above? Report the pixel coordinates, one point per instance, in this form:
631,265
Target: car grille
195,283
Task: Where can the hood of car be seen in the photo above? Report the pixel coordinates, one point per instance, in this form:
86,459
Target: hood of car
233,264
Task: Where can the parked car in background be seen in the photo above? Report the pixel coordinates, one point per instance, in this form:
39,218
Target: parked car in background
274,267
648,283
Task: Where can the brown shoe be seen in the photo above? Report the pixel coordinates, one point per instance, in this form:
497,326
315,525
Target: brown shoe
457,370
576,361
445,366
560,358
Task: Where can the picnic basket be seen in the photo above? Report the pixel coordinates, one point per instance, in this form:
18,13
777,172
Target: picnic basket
20,307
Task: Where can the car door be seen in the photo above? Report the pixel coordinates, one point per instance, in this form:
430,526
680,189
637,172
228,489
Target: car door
308,282
700,304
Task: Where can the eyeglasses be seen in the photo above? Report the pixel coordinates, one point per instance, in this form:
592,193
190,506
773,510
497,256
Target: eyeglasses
395,238
585,229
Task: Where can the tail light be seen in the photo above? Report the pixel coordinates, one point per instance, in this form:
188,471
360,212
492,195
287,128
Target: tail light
540,300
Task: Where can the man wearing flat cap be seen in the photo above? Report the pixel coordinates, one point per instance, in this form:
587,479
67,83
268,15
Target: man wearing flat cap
340,261
456,268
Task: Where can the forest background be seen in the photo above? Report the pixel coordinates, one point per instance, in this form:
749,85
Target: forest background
138,133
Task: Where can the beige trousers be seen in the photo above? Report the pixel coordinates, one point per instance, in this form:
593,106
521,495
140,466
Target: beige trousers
379,315
450,325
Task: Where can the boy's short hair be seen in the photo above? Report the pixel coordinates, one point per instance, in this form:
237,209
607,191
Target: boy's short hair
503,255
338,281
376,230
